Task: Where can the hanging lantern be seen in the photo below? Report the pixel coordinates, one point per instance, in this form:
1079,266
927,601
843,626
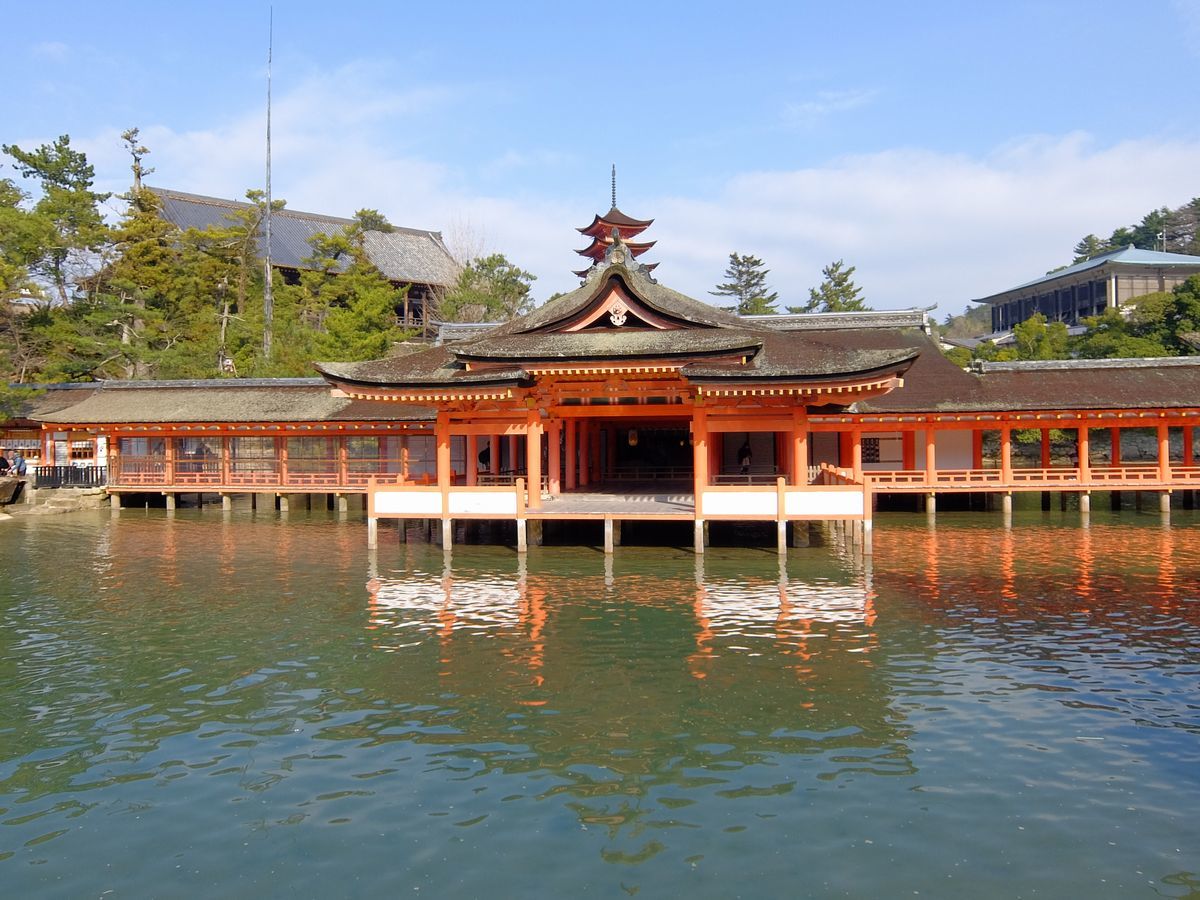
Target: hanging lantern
633,437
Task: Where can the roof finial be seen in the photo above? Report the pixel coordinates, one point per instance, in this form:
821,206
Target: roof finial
614,186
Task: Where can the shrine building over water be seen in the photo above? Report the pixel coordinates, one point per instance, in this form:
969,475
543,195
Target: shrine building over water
625,400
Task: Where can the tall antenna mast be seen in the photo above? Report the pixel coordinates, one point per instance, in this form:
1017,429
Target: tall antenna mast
268,294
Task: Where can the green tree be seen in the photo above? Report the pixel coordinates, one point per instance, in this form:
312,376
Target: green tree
488,289
747,284
1088,247
837,293
1035,338
73,226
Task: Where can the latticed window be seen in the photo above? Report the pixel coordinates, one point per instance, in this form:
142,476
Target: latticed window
252,454
870,450
312,454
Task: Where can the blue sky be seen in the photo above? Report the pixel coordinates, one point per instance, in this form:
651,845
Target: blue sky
947,150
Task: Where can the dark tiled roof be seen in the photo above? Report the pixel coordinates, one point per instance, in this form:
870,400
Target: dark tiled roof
1170,383
403,254
50,398
224,401
807,356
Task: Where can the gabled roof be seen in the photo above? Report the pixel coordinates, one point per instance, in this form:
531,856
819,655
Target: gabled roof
403,254
711,344
1126,256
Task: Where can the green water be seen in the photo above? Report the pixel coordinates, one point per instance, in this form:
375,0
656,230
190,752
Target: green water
238,707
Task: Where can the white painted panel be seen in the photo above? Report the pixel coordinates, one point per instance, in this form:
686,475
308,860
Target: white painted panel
953,450
815,503
491,503
730,503
408,503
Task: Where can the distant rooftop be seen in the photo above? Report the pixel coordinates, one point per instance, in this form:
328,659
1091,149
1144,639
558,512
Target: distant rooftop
403,254
1126,256
836,321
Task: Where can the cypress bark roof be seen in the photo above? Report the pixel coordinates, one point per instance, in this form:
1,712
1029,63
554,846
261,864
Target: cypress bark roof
272,400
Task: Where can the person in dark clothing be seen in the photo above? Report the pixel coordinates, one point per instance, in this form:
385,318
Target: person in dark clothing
3,464
744,457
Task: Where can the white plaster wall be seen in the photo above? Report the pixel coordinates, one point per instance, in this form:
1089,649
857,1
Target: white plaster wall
952,449
814,503
493,503
728,503
408,503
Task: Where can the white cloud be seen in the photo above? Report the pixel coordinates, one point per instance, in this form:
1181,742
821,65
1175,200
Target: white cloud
53,51
921,227
805,112
924,227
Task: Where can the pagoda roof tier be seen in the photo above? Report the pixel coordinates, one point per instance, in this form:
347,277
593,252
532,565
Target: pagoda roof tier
599,248
626,226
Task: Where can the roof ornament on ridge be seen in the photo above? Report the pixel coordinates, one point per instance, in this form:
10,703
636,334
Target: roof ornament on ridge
618,254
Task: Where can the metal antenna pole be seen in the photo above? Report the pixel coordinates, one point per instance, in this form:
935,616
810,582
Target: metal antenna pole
268,294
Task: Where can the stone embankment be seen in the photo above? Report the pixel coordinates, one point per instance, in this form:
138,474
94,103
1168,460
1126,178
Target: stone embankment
47,502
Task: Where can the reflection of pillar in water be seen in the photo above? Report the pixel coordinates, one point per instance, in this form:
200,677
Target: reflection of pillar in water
697,661
932,557
1166,563
1087,559
1008,568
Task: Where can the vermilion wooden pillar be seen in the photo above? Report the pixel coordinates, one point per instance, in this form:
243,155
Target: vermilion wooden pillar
1164,452
976,449
1189,455
1084,443
1114,435
533,462
1045,448
554,445
908,450
494,454
930,455
700,445
442,440
799,448
1006,453
472,462
856,454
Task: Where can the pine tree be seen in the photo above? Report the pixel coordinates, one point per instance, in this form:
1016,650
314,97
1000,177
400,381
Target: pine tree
748,285
837,293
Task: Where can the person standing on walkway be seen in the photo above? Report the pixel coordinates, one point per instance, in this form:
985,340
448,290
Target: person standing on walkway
19,465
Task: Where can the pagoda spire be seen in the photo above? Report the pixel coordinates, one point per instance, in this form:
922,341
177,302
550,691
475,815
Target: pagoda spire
614,223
